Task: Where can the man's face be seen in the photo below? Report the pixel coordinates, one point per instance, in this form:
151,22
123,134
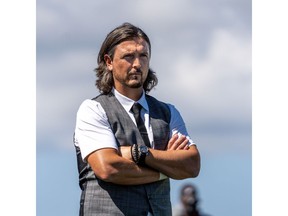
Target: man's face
189,196
130,63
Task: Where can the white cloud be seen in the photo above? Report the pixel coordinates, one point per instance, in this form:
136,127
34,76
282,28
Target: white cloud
64,81
49,23
218,85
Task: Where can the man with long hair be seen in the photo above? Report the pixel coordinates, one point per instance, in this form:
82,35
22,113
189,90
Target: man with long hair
128,143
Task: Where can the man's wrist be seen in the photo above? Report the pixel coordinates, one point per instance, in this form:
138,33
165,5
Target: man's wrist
139,153
143,151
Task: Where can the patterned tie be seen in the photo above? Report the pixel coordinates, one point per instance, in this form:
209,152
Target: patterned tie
136,108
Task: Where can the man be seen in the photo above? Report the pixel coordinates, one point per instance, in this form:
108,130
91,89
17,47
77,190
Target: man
189,202
122,172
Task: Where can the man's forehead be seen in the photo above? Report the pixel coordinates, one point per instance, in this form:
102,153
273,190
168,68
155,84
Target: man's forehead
189,190
135,43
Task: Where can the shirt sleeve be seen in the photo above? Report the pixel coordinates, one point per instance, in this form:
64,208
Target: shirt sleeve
177,124
92,130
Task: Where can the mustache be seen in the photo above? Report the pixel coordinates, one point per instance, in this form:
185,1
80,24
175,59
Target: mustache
135,72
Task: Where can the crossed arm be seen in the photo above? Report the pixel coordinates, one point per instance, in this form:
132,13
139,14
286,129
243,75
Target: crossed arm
177,162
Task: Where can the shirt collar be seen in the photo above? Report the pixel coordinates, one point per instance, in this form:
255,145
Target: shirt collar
127,103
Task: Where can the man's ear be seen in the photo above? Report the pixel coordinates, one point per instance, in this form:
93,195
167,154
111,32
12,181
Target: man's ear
108,62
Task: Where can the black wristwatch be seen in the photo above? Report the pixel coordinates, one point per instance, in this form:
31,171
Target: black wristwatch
143,152
139,153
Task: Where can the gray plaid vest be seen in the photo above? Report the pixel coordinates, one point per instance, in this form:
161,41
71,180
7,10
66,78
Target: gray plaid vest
104,198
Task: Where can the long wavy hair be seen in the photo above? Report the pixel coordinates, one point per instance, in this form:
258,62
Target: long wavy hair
124,32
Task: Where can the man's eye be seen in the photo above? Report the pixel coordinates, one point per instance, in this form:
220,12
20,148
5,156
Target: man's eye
128,56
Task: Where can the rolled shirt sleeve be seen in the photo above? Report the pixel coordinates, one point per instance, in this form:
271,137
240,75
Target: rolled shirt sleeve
177,124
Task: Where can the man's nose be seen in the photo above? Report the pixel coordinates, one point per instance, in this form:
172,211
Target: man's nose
137,63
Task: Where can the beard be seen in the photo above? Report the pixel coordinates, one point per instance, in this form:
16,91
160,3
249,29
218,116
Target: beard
136,85
134,80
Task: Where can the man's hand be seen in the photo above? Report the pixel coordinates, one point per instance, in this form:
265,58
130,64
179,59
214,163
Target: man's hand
178,142
178,161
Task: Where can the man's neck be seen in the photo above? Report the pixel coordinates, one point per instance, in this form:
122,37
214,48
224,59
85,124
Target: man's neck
132,93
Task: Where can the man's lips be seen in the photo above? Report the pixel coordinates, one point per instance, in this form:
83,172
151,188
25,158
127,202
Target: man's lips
134,74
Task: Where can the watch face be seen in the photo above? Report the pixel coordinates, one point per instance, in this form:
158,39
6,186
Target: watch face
144,149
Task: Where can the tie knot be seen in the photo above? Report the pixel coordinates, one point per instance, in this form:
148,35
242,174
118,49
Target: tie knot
136,108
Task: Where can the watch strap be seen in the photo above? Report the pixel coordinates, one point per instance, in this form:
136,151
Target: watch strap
142,157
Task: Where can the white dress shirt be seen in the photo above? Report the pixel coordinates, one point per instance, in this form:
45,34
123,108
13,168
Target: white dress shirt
93,131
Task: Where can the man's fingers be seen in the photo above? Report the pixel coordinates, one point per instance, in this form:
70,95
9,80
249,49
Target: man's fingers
183,144
171,142
177,142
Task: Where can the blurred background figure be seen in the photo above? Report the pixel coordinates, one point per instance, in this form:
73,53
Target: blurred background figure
189,202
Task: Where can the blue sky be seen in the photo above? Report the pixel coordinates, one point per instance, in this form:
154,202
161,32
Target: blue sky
202,54
192,38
